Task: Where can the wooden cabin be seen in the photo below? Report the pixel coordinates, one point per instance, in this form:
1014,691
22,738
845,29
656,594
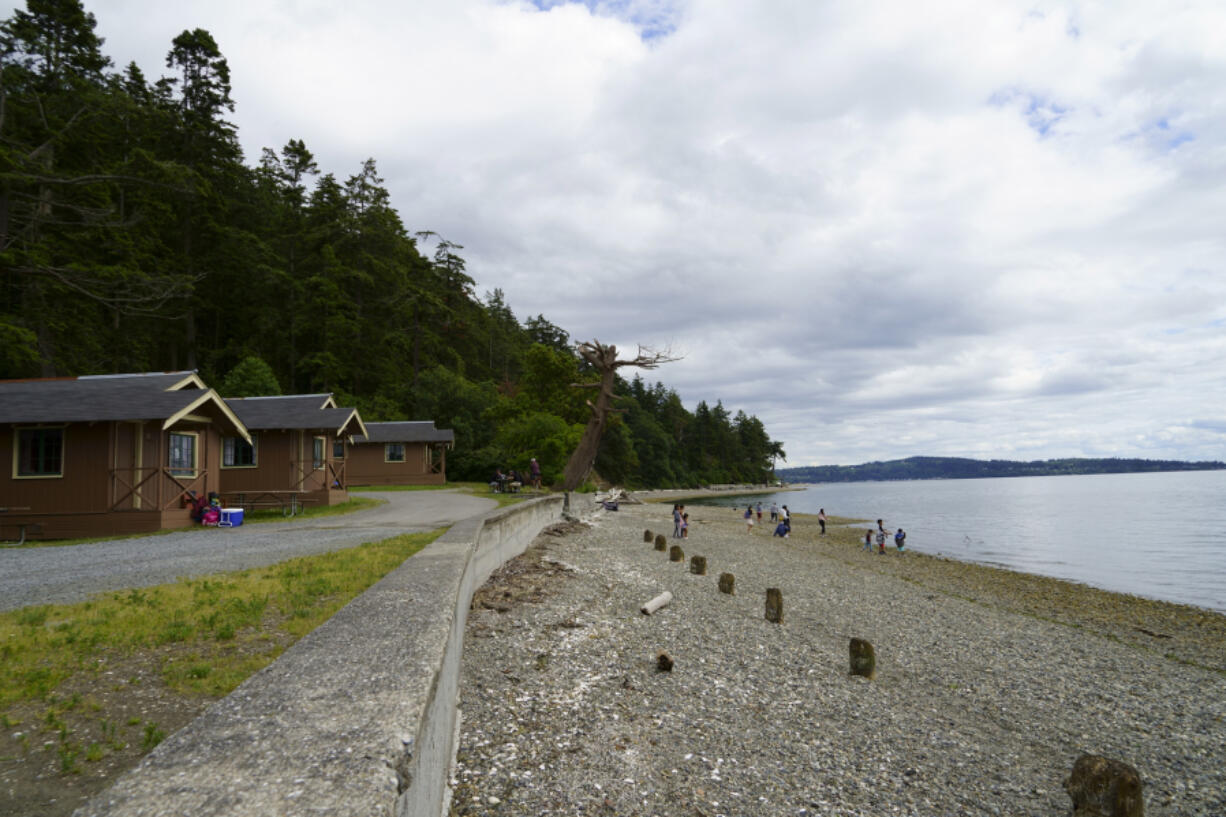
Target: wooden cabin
298,451
108,454
409,453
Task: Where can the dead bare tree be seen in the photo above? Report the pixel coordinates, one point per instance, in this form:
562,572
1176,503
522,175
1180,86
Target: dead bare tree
604,359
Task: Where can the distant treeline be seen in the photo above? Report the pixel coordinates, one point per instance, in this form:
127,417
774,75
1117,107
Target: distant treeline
961,468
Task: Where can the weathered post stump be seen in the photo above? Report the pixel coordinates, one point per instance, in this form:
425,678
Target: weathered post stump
656,603
661,542
698,565
774,605
647,536
676,554
1102,787
863,659
664,662
727,584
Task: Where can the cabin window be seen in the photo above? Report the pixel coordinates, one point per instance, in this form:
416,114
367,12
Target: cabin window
393,452
317,453
238,453
338,449
182,461
40,452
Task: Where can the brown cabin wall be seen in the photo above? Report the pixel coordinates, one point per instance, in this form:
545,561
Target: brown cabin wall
284,460
366,466
89,498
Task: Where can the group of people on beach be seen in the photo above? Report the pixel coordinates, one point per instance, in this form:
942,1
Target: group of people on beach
900,539
681,522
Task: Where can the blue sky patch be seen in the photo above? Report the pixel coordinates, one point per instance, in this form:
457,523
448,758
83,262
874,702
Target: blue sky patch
654,19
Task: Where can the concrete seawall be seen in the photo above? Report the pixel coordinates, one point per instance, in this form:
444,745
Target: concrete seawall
358,717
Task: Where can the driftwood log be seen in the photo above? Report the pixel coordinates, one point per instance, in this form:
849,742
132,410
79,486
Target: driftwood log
659,601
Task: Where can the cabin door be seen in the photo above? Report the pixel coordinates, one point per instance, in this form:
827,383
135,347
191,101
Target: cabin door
127,467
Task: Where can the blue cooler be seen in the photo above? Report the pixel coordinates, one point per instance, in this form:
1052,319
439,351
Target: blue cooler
231,517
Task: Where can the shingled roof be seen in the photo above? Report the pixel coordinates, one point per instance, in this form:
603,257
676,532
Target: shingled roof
296,411
422,431
165,396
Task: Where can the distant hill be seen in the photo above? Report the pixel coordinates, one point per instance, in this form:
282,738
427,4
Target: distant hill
962,468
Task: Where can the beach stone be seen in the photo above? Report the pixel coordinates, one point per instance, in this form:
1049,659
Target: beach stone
727,584
774,605
863,659
1102,787
698,565
676,554
647,535
661,542
664,662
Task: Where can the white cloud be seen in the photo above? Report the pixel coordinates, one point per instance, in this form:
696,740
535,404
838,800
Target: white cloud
885,228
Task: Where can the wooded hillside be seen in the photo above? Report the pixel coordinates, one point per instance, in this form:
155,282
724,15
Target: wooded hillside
962,468
135,237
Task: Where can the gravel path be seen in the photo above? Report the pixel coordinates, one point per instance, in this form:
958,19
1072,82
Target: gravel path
61,575
989,686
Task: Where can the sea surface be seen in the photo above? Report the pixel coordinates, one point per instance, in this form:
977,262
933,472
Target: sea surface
1159,535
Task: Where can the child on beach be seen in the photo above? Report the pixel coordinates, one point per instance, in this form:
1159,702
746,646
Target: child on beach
821,519
781,530
759,509
881,543
868,540
774,512
685,526
900,540
749,517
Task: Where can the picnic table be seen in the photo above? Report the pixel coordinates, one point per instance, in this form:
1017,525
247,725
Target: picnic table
290,502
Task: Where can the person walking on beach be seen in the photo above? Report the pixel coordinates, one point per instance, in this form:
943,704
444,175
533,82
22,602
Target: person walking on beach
749,517
676,521
534,472
759,510
774,512
821,520
787,517
900,540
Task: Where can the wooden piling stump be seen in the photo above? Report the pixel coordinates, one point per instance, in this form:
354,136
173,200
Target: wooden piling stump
774,605
698,565
676,554
648,536
1104,787
661,542
727,584
863,658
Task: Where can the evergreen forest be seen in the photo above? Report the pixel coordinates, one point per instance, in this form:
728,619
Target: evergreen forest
135,236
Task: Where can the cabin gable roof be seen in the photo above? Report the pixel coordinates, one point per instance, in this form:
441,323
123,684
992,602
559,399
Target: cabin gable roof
165,396
422,431
306,412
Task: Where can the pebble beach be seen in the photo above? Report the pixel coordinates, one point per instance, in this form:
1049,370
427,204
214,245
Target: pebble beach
989,683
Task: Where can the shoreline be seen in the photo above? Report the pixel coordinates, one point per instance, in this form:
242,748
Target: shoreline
990,682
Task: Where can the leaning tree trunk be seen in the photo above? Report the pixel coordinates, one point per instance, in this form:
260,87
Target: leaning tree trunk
604,359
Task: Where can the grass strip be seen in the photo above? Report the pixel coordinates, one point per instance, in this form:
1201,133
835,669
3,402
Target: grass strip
206,634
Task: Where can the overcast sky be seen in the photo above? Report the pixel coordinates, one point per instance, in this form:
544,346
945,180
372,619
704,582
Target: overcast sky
984,229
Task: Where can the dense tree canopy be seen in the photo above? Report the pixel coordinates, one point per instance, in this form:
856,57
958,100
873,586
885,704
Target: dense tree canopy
133,237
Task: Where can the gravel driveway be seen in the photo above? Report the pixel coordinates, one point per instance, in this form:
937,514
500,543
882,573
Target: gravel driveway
61,575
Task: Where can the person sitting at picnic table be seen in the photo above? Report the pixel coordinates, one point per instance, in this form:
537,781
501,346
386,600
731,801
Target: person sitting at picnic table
497,480
515,481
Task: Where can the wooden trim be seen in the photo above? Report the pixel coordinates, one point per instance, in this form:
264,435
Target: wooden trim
192,379
209,396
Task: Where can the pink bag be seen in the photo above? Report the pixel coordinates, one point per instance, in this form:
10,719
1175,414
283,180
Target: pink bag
211,517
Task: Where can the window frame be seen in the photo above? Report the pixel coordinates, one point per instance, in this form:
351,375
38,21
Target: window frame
233,443
18,432
338,445
319,447
387,452
179,470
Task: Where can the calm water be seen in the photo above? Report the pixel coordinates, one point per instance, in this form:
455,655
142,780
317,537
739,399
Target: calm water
1157,535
